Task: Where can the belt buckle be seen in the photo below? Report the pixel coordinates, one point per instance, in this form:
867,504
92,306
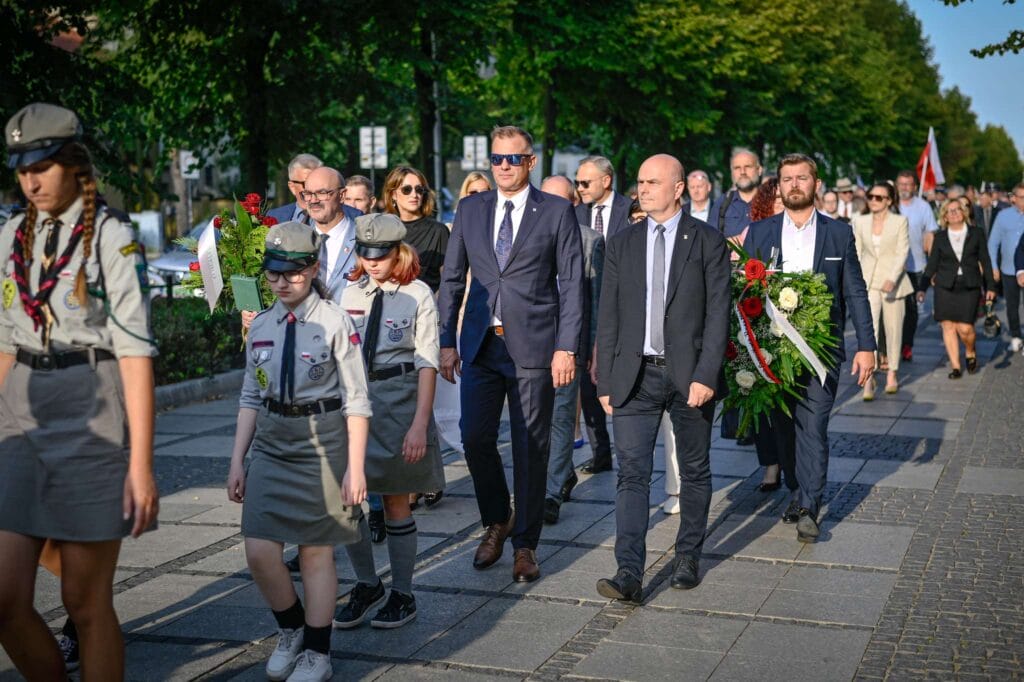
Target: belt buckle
292,411
45,362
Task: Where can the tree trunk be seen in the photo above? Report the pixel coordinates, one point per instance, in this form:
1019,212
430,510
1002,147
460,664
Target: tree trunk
254,145
550,130
180,189
424,82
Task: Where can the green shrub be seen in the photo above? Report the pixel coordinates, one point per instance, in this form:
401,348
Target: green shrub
193,343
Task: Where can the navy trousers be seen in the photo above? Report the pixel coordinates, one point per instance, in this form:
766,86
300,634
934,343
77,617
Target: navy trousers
636,430
486,383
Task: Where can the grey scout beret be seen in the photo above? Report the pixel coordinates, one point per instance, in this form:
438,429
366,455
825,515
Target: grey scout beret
38,131
377,234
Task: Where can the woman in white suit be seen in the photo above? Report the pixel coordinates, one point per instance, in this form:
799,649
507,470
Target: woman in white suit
883,240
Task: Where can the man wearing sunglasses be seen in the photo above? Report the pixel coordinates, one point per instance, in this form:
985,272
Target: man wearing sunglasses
602,209
520,335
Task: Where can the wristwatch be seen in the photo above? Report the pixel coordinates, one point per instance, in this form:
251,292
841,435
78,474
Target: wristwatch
571,353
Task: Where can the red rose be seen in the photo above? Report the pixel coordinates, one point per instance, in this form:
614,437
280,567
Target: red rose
752,306
252,209
194,266
217,222
730,351
754,270
252,198
269,220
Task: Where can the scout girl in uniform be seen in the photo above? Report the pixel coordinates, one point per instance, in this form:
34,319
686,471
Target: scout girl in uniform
303,418
76,402
397,318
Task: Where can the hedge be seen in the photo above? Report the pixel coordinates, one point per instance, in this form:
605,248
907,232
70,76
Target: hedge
192,342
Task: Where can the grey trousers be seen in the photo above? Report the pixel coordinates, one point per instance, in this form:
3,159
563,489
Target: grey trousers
563,433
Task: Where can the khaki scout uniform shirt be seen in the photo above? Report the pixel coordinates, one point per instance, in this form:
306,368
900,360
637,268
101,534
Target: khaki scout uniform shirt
115,253
409,321
328,361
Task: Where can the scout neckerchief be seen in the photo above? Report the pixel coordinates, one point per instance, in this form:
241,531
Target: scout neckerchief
38,307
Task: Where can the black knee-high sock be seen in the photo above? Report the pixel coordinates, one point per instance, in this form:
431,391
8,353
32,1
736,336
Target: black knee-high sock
69,630
291,618
317,639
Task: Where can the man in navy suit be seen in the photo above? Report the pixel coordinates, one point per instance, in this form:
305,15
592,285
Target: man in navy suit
520,335
801,239
299,169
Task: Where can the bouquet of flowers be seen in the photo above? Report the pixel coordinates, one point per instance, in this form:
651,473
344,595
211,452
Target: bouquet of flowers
780,328
243,233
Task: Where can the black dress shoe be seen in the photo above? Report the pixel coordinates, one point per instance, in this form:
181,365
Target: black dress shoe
972,365
378,531
567,487
293,564
430,499
687,573
767,487
623,587
595,467
807,527
955,374
552,508
792,513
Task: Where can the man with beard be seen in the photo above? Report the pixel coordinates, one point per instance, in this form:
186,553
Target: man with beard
324,196
731,215
802,240
922,225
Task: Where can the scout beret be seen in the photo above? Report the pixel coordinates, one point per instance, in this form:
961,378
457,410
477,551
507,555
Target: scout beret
377,234
38,131
290,246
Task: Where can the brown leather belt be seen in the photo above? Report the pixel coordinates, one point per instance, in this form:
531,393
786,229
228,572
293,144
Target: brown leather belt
498,330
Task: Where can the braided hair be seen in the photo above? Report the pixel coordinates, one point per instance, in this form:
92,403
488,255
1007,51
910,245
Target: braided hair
75,156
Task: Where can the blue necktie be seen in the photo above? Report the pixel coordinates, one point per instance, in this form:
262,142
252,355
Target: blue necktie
502,248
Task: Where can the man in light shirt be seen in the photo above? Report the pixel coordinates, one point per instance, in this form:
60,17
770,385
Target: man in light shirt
922,223
698,186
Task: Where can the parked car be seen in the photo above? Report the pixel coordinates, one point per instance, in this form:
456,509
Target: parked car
169,269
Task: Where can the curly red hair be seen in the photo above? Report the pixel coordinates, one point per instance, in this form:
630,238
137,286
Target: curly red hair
763,204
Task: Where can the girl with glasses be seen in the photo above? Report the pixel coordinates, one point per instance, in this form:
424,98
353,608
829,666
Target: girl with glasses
303,420
958,266
883,242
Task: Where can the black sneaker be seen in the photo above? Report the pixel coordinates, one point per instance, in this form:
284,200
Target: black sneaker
69,650
378,531
400,609
360,600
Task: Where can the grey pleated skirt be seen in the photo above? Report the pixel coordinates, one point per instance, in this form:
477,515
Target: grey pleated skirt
387,472
293,481
64,453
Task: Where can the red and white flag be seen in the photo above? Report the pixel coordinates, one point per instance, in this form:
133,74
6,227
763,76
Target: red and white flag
929,168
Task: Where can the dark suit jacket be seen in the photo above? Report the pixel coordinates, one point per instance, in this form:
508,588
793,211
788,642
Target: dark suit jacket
943,263
1018,256
285,213
697,309
541,286
835,256
593,267
618,220
979,217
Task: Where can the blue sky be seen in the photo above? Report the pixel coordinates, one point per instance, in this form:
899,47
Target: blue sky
993,83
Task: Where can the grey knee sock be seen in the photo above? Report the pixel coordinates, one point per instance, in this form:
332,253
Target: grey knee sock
402,550
361,555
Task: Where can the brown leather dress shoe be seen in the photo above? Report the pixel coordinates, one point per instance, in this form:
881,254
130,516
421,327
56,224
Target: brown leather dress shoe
492,545
525,569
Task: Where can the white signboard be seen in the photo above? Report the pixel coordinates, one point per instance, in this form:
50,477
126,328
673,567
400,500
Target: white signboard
209,265
474,153
189,165
373,147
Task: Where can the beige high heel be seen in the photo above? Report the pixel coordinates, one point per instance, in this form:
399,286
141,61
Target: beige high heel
892,387
869,390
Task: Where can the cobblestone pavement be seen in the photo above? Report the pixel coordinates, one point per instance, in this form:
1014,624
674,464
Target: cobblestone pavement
919,572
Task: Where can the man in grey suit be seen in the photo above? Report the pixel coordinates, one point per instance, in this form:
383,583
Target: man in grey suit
662,328
561,477
324,194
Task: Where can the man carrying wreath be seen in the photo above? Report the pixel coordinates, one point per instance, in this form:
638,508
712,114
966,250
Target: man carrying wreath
801,239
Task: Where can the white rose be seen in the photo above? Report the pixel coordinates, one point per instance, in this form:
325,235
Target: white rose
776,330
788,299
745,379
768,357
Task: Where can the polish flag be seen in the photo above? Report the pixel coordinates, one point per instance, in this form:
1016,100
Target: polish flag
929,168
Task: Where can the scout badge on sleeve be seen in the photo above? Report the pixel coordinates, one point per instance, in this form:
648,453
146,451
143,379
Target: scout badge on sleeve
261,377
10,291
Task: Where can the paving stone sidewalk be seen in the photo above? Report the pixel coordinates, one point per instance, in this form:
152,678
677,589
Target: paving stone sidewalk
919,572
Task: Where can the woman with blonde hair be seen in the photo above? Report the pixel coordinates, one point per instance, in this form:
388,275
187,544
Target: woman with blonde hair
474,183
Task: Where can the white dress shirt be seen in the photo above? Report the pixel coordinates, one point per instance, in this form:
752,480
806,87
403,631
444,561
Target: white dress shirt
335,243
670,226
518,210
798,243
606,212
702,214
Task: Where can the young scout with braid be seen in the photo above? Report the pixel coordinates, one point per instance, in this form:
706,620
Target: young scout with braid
303,419
76,402
397,317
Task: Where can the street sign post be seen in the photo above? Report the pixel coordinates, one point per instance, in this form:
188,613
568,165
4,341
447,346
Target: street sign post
373,149
474,153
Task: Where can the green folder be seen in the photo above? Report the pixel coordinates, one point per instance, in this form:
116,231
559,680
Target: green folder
246,292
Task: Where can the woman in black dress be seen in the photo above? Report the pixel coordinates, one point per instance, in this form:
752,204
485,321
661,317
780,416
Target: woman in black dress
958,266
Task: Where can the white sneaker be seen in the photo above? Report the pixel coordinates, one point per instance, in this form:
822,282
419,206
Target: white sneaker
282,661
671,505
311,666
1016,344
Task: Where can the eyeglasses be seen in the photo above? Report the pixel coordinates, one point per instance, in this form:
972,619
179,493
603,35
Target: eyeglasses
513,159
585,184
474,191
300,183
877,197
409,189
956,209
320,194
292,277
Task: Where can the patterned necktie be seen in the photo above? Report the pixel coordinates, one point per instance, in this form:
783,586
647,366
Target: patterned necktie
322,270
502,248
657,321
373,328
599,220
287,393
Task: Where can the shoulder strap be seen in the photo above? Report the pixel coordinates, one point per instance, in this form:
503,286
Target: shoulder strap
729,197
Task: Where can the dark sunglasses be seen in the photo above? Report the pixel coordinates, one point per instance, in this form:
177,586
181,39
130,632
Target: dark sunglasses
877,197
513,159
409,189
585,184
